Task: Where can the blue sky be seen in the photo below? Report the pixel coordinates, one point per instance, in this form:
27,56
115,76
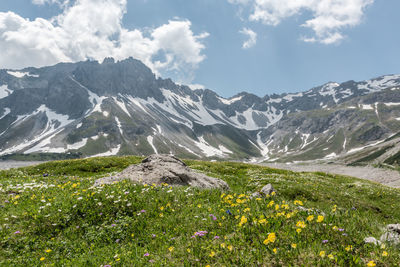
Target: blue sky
201,41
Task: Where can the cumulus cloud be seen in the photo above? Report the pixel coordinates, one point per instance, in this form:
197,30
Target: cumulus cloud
92,29
329,17
252,38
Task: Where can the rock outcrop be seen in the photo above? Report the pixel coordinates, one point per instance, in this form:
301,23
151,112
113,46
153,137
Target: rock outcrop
159,169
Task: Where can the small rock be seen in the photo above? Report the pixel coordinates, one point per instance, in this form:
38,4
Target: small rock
392,234
267,190
394,228
371,240
256,195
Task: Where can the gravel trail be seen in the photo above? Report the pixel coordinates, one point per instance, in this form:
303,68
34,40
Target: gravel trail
387,177
8,164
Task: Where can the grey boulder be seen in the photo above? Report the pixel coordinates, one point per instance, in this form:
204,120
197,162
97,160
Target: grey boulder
392,234
159,169
267,190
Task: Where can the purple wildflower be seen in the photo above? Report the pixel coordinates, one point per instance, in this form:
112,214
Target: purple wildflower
113,225
146,254
216,237
341,229
17,232
117,241
213,217
229,212
153,236
325,241
199,233
142,211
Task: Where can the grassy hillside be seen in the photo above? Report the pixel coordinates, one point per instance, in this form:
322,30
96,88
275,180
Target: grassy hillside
314,219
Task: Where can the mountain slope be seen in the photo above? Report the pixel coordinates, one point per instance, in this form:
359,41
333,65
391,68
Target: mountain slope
122,108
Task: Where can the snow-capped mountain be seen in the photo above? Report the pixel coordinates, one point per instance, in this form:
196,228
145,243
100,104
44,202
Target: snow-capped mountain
121,108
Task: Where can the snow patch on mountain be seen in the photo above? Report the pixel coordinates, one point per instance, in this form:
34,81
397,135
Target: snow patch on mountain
150,141
19,74
122,105
329,89
4,91
5,113
94,99
207,149
380,83
119,125
290,97
230,100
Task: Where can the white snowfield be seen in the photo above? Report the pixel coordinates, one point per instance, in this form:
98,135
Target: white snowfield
19,74
4,91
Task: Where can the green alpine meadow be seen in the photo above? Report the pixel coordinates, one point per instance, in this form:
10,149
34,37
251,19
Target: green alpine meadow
51,215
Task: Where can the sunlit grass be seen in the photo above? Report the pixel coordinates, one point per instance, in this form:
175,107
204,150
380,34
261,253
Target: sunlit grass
314,219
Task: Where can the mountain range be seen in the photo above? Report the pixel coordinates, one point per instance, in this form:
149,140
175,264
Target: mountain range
120,108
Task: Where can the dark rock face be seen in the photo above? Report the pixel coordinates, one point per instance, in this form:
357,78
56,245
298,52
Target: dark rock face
159,169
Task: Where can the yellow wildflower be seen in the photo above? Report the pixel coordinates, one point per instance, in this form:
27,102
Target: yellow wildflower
42,258
48,250
270,239
275,250
320,218
298,202
371,264
298,230
322,254
349,247
171,249
384,254
243,220
294,245
310,218
330,256
212,254
230,247
301,224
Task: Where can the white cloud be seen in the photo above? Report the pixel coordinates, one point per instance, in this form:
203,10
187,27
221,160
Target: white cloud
252,38
59,2
329,17
92,29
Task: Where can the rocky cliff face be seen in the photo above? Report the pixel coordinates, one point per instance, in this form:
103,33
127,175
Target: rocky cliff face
121,108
